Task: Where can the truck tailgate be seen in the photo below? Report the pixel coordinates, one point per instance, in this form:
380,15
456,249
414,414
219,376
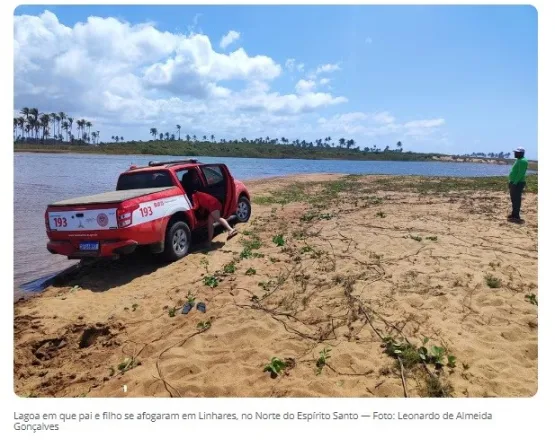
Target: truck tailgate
92,213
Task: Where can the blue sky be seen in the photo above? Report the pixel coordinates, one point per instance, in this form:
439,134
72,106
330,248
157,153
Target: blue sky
439,78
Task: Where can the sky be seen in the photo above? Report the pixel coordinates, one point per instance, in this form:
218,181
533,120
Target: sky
448,79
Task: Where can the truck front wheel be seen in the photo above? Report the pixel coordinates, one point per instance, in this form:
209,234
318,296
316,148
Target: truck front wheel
178,240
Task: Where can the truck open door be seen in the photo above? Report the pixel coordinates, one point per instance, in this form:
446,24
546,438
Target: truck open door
220,184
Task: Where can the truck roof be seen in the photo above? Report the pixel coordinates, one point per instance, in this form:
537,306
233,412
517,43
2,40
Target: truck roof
154,165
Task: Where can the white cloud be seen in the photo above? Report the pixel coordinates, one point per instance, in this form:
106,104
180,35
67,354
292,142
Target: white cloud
292,65
229,38
324,81
135,76
305,85
327,68
368,40
380,124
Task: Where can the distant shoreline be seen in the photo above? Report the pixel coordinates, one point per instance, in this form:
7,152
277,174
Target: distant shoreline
279,152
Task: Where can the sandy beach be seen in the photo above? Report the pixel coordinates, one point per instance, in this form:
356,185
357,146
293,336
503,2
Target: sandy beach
343,279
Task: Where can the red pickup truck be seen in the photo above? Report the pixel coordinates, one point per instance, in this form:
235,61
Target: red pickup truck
151,206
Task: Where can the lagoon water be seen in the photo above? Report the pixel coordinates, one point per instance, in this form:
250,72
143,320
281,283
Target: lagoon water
40,179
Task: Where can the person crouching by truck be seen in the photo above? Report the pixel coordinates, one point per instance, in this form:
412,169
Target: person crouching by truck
517,182
208,203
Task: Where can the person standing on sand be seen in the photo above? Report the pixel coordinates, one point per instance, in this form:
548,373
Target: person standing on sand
517,182
211,204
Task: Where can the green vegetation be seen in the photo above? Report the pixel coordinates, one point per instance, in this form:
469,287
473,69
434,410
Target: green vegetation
532,298
172,311
431,238
128,363
250,272
275,367
279,240
204,325
322,359
190,297
409,356
430,185
167,144
211,281
229,268
53,129
492,281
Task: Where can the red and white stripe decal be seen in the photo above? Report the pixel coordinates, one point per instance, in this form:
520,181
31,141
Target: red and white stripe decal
157,209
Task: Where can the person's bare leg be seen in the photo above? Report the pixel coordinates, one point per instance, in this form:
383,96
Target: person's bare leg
226,224
218,217
210,229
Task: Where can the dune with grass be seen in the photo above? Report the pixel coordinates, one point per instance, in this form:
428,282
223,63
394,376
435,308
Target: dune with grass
341,286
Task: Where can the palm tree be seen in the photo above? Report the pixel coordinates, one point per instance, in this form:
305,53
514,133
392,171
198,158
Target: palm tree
212,138
204,137
188,138
400,146
70,121
153,132
21,124
15,123
89,125
167,136
25,111
58,119
53,117
195,138
341,142
93,135
161,136
44,122
32,122
81,125
178,132
65,126
121,138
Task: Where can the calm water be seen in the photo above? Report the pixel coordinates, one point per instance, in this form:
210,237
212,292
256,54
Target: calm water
44,178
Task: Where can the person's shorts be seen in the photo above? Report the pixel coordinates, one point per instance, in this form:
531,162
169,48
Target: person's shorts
208,202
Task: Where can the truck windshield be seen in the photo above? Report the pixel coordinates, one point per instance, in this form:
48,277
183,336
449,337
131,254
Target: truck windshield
139,180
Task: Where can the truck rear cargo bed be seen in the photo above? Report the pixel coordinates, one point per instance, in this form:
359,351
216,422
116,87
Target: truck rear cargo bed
110,197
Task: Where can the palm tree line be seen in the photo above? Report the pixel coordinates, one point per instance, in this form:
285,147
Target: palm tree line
489,155
327,142
32,125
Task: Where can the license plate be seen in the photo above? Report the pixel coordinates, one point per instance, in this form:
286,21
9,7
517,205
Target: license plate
89,246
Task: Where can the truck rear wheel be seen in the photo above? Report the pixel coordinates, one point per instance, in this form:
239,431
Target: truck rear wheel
178,240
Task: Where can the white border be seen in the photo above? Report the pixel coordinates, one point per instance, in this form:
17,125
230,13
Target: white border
522,421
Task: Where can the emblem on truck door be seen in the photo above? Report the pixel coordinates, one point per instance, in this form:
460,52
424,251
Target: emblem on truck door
102,220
